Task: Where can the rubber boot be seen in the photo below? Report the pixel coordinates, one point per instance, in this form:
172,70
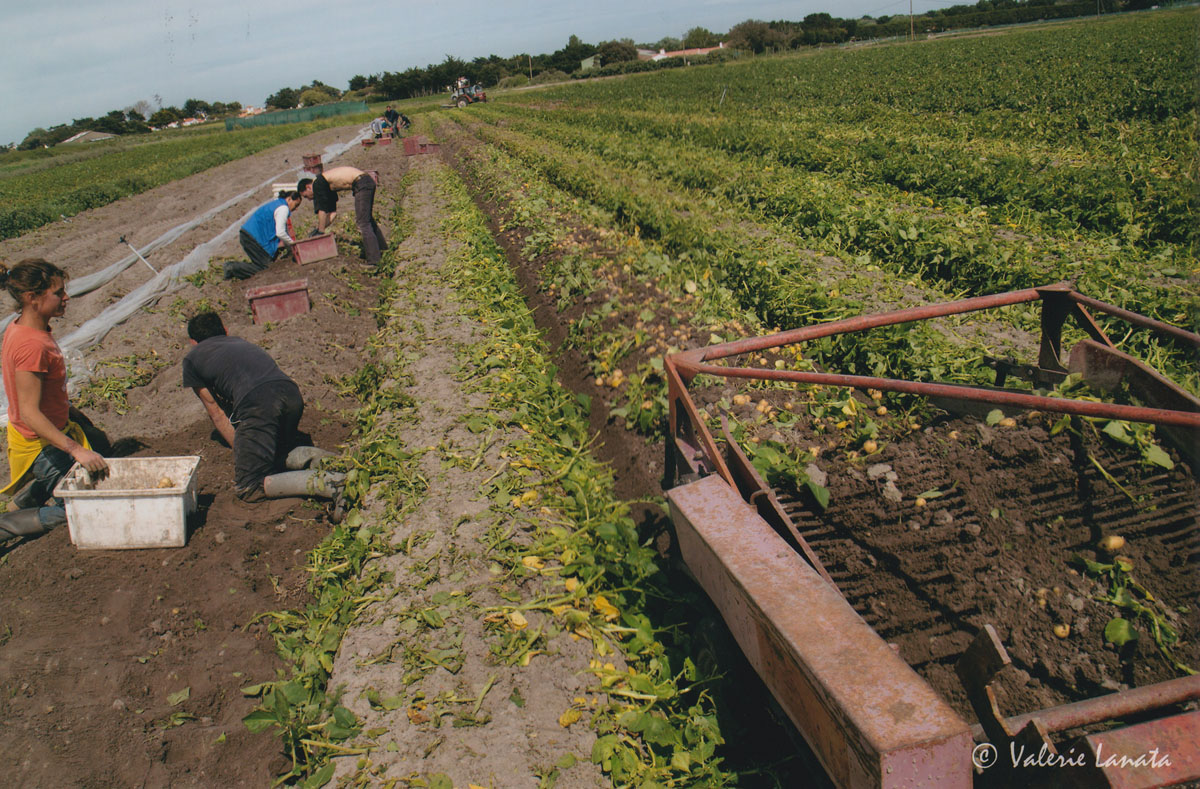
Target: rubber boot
22,523
310,482
303,457
23,499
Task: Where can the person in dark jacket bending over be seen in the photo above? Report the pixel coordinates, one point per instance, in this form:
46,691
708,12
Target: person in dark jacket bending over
323,192
393,118
266,232
256,408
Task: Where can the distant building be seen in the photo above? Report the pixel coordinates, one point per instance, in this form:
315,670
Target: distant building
587,64
695,52
88,136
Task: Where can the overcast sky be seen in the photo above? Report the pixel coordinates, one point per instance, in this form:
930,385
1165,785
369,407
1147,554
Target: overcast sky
66,59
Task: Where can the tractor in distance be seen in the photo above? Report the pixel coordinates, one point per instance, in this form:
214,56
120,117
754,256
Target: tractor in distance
466,93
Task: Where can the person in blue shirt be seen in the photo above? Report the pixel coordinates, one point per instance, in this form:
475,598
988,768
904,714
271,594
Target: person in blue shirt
266,232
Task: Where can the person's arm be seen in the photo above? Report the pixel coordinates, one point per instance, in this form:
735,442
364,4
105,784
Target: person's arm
29,399
325,220
219,420
281,226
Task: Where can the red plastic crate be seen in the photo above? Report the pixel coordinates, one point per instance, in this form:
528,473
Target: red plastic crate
368,142
312,163
384,141
417,145
310,250
272,303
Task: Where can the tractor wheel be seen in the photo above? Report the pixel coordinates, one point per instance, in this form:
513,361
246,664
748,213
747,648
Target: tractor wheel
462,101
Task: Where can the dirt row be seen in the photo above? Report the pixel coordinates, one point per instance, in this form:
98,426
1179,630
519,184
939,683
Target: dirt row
125,668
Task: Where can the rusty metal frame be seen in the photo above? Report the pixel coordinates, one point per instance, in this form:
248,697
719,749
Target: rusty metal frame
868,717
690,436
720,542
986,657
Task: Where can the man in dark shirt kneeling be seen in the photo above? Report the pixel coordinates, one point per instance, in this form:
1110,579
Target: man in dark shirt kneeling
256,408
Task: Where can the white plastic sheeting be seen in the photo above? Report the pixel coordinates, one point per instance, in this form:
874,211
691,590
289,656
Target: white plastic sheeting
167,280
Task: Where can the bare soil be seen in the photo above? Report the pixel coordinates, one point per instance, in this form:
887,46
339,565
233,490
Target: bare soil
993,541
95,643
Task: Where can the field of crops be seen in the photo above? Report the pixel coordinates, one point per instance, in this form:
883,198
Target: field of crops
944,168
690,207
44,186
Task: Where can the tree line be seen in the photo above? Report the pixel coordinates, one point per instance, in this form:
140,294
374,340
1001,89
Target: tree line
751,35
139,118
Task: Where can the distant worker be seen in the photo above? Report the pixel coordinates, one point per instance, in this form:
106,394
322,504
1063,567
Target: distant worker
46,435
266,232
323,192
379,126
256,408
393,118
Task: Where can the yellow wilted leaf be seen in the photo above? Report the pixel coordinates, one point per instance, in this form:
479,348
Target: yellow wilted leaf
528,656
518,620
559,610
533,562
605,608
572,584
568,717
530,496
569,556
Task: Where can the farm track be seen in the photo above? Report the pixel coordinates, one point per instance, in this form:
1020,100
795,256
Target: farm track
442,562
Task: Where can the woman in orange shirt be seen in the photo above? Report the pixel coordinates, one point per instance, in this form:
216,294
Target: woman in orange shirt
45,436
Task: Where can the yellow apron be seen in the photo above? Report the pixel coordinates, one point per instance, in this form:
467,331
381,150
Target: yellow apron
23,451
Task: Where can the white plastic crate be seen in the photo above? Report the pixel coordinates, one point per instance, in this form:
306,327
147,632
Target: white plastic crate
128,509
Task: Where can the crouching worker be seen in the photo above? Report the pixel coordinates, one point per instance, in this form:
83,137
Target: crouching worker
323,192
46,435
256,408
266,233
